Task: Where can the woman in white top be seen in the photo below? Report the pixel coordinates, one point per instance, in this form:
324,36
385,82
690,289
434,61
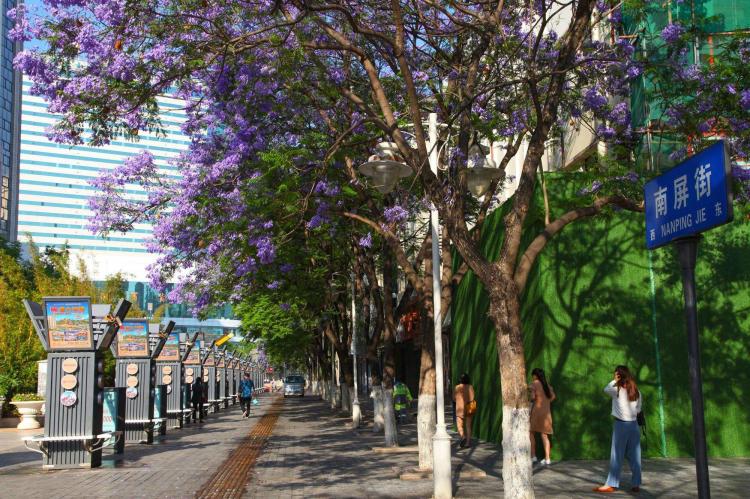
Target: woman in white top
626,436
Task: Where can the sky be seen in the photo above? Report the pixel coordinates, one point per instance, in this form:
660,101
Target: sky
36,7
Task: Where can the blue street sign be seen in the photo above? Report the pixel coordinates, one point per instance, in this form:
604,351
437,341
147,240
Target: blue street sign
692,197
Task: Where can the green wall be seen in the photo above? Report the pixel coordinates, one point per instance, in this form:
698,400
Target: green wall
589,306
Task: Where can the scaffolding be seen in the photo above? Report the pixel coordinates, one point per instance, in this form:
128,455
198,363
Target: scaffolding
715,20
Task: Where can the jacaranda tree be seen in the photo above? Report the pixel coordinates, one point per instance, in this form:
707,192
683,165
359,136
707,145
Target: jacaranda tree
322,81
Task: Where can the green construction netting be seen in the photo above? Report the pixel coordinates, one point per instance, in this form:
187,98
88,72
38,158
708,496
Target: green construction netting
715,17
597,299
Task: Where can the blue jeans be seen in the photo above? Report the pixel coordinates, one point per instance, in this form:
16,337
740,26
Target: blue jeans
626,443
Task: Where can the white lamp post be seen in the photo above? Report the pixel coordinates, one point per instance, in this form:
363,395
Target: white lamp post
441,441
385,174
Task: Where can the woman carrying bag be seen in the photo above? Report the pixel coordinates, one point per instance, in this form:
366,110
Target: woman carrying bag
626,436
466,406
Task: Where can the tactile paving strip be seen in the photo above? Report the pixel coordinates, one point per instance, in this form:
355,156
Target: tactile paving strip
230,479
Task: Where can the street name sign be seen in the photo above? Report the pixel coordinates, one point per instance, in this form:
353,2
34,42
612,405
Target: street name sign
691,198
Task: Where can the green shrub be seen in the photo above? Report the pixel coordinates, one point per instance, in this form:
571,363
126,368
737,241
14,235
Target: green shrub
26,397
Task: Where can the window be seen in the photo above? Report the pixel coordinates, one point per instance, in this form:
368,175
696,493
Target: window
4,198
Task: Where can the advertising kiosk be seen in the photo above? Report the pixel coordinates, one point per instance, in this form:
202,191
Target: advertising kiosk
74,332
191,360
136,371
209,378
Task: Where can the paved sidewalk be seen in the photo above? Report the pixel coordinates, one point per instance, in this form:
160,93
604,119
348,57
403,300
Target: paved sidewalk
312,453
175,467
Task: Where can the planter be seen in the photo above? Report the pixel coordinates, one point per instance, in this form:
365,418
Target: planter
28,411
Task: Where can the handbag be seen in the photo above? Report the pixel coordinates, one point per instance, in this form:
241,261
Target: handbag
641,418
471,407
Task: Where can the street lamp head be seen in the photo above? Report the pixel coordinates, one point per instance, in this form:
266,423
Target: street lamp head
385,168
481,171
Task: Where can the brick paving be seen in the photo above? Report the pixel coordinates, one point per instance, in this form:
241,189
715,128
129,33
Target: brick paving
228,482
313,453
174,467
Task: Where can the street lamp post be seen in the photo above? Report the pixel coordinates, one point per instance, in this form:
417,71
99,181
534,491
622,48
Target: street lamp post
356,412
385,169
441,441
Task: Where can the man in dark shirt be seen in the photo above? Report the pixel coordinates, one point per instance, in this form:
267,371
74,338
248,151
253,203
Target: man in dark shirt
198,398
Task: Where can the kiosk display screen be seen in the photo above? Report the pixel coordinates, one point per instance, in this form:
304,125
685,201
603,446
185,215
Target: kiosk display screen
69,324
171,350
132,339
194,356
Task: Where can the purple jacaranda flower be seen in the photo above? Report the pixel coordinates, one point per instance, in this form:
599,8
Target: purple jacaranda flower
316,221
678,154
273,285
745,99
366,240
593,99
672,32
285,268
620,114
266,250
704,127
395,214
741,172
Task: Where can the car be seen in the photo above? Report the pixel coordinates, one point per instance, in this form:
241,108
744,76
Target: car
294,385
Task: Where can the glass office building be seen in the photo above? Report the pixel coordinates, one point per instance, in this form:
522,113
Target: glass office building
10,102
54,192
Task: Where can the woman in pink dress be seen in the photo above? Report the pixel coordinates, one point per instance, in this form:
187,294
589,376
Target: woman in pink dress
542,395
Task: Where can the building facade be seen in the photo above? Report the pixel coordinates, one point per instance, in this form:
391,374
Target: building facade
10,108
54,192
719,20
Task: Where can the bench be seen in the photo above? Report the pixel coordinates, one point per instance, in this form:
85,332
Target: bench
146,422
86,439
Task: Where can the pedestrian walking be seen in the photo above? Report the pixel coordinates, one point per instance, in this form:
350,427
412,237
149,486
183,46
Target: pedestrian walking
466,406
626,436
542,396
401,400
246,395
198,397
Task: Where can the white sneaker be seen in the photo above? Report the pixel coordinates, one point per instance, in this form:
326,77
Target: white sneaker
534,460
546,462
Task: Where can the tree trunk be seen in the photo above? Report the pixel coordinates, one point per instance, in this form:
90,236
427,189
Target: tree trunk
505,314
389,352
334,395
389,418
426,415
426,410
347,387
377,394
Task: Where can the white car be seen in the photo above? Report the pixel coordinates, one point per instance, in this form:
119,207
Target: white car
294,385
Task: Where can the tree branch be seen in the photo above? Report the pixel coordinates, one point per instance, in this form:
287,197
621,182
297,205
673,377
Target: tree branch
537,245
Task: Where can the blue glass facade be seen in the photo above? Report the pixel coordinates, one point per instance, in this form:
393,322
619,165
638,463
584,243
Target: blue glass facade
10,107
